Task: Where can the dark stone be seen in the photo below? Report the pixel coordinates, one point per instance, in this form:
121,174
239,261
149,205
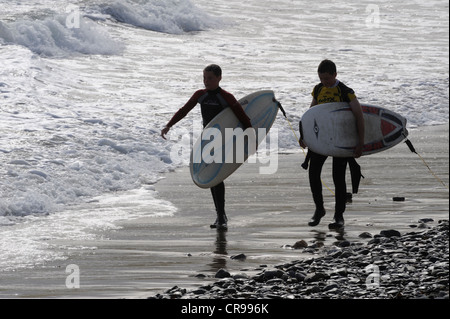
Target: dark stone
344,243
390,233
365,235
199,292
313,290
316,277
239,257
274,281
229,291
340,272
330,287
300,276
222,273
300,244
273,273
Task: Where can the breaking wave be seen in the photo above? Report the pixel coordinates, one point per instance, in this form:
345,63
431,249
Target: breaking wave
59,36
168,16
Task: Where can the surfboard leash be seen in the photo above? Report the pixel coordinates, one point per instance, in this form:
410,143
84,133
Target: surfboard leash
412,149
298,140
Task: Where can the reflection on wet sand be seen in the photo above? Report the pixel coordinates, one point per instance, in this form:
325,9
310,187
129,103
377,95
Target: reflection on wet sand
220,253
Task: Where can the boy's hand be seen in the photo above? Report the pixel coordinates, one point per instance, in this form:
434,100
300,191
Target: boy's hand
357,152
164,131
302,144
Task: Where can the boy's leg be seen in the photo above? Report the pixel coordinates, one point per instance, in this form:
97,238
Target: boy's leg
339,169
315,182
218,194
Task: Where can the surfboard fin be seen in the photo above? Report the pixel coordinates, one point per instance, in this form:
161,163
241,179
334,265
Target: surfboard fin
306,162
300,129
280,107
355,173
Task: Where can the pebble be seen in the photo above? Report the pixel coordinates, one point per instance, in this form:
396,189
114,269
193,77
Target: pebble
300,244
239,257
365,235
412,265
390,233
222,273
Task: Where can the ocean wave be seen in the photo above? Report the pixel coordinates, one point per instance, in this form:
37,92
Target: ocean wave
82,31
168,16
59,36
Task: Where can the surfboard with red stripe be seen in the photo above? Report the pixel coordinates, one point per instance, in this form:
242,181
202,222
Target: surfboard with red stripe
330,129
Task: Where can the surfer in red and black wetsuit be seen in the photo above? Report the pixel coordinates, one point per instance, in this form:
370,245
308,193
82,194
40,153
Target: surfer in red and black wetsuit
213,100
332,90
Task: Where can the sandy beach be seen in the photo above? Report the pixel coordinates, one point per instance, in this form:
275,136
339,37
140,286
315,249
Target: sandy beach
267,214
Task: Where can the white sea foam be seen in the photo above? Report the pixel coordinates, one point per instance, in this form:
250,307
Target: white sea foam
169,16
53,38
33,240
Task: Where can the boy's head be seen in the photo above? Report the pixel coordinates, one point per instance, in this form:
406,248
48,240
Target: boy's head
212,75
327,73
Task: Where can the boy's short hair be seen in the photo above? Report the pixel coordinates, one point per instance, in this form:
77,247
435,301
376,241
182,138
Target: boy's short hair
214,68
327,66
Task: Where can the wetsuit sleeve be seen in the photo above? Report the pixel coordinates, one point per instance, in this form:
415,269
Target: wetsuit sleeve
316,91
182,112
351,96
348,94
237,110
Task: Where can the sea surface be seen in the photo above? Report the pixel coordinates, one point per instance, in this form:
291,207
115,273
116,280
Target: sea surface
86,86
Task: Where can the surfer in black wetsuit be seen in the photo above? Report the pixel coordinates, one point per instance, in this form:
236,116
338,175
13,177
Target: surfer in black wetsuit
213,100
332,90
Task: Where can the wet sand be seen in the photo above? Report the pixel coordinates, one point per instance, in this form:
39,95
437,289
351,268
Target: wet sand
266,214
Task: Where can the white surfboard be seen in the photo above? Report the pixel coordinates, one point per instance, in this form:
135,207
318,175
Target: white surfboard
223,146
330,129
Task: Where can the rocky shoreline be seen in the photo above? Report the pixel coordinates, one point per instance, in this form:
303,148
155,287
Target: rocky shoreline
390,265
